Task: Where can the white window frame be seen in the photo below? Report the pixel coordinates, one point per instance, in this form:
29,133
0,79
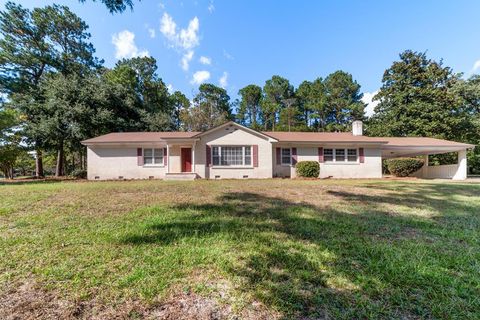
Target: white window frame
243,165
153,164
346,161
289,163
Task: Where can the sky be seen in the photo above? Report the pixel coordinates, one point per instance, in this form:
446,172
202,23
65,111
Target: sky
236,43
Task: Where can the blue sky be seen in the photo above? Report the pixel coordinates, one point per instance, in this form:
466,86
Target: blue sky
236,43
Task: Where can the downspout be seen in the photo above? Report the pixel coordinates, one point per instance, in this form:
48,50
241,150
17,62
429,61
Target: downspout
193,156
168,158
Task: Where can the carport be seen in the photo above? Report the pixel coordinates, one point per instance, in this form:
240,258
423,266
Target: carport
412,147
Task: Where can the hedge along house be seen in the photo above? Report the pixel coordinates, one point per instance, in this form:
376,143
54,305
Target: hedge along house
232,151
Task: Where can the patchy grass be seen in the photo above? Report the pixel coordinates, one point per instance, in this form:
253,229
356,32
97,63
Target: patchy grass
275,248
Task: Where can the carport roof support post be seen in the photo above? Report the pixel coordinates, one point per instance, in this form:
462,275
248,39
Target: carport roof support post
461,173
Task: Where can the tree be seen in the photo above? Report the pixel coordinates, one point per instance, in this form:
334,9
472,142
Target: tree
181,106
152,103
343,99
469,93
417,99
276,91
116,5
313,103
59,114
250,104
289,118
211,107
34,43
9,141
7,122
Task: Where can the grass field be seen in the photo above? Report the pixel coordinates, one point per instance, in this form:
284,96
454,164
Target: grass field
253,248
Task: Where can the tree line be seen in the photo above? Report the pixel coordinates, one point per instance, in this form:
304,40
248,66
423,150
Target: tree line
56,93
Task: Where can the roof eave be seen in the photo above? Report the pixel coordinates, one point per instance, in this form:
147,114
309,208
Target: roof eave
331,142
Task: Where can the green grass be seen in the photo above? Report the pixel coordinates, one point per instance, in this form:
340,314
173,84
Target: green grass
337,248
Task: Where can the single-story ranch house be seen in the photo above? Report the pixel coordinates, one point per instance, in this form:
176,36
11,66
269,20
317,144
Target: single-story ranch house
234,151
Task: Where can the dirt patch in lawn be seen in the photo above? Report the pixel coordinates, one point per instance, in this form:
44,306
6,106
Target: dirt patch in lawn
28,300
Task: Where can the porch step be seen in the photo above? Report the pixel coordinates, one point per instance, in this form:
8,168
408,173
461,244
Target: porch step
181,176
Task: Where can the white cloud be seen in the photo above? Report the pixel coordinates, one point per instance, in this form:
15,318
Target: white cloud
189,37
200,77
184,40
205,60
170,88
367,98
186,58
476,66
223,81
168,27
125,46
211,7
151,32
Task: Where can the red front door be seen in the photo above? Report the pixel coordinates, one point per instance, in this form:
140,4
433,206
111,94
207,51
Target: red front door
186,159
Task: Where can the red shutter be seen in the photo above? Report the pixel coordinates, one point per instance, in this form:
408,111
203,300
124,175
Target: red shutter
294,156
279,159
255,155
139,157
320,155
362,155
209,156
165,157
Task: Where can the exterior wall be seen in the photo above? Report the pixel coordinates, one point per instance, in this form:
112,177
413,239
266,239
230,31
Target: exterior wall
235,136
371,168
110,163
174,159
449,171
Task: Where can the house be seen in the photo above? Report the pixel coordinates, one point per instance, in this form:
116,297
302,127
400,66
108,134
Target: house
232,151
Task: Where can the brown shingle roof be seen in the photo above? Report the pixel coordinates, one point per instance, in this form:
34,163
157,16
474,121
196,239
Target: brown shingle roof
313,137
421,141
321,137
126,137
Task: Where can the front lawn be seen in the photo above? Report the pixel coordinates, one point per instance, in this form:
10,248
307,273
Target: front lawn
252,248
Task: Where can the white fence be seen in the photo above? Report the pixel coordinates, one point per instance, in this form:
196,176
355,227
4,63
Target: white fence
446,171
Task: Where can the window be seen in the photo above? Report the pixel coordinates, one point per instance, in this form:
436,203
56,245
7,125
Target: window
152,157
339,155
248,156
286,156
328,155
352,155
231,156
216,156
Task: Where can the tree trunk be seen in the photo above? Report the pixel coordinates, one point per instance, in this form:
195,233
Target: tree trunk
39,164
59,170
82,160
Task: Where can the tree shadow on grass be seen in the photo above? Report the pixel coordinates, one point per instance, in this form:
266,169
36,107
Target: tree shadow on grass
311,262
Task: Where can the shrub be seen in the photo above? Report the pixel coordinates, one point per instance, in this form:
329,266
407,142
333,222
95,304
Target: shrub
308,169
79,174
403,167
